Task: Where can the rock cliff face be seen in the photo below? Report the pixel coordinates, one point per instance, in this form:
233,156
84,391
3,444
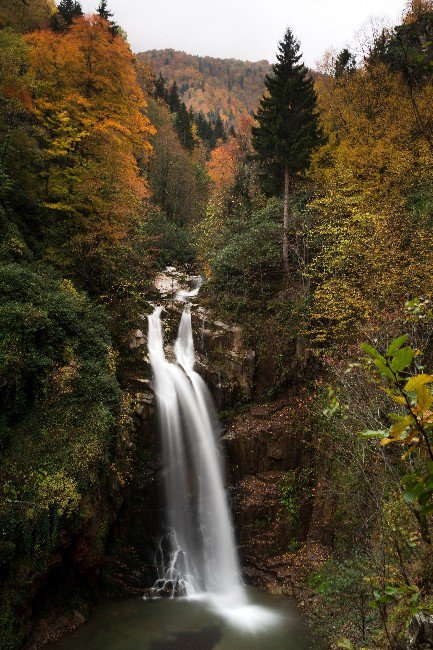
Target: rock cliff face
223,359
270,468
270,460
273,474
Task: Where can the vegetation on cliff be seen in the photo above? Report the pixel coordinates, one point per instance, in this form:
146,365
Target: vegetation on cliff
106,175
360,253
96,192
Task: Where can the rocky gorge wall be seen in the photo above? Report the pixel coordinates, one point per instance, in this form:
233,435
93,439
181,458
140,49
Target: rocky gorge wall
270,469
269,445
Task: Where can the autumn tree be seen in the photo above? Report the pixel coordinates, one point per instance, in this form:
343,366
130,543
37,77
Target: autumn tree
176,176
233,194
415,8
26,15
191,127
92,119
287,130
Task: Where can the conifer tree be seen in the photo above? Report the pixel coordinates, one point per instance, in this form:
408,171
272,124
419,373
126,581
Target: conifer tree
288,125
345,64
103,10
173,98
219,131
106,14
204,129
161,91
183,125
67,11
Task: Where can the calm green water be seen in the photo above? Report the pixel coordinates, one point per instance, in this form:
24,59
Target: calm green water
269,623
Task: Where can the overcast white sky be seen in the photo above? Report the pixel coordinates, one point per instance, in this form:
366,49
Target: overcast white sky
245,29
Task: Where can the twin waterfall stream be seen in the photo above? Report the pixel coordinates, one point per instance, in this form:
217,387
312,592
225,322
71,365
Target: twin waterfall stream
198,556
205,604
202,553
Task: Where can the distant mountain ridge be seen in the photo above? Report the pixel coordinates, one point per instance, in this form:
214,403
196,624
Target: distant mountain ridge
226,87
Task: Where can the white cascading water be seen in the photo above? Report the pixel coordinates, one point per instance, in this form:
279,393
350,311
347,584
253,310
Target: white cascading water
201,559
203,555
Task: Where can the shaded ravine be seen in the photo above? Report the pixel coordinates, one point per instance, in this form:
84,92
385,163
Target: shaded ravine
197,557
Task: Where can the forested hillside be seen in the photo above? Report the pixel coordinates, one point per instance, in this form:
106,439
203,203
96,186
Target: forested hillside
88,213
353,157
311,224
225,87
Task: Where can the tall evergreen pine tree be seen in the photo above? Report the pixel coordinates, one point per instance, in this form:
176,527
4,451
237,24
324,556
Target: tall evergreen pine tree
183,125
69,9
104,11
174,98
219,132
288,126
161,91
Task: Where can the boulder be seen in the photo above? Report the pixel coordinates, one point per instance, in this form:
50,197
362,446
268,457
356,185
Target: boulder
420,632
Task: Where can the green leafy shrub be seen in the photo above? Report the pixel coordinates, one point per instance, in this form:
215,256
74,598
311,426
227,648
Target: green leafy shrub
60,403
250,264
170,242
341,606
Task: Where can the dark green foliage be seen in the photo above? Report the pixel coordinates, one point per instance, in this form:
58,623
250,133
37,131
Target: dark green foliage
106,14
250,264
408,49
295,492
103,10
288,123
183,125
208,131
342,601
59,403
46,324
345,63
218,130
160,89
204,129
60,399
420,203
69,10
173,98
170,242
178,182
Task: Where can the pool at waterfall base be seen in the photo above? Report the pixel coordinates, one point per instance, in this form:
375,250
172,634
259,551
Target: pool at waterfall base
197,560
196,623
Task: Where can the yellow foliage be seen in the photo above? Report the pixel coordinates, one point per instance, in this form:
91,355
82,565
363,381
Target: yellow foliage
92,114
373,254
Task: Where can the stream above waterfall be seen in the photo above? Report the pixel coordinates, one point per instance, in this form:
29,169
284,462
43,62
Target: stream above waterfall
186,624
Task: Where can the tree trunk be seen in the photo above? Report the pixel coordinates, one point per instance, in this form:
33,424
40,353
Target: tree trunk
286,221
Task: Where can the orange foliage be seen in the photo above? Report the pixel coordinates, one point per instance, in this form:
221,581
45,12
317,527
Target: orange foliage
226,159
225,87
93,118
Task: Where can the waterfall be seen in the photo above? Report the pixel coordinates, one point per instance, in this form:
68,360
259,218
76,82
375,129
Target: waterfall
198,555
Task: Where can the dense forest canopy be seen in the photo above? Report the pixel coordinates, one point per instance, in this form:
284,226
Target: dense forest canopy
113,166
215,87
